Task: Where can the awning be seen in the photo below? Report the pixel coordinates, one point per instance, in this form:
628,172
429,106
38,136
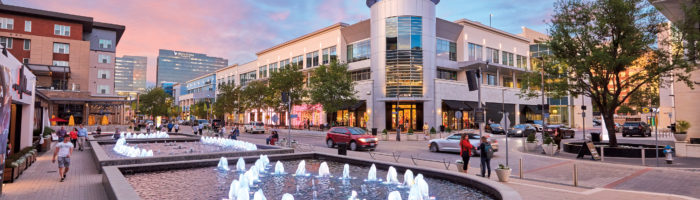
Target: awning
533,108
48,69
457,105
355,106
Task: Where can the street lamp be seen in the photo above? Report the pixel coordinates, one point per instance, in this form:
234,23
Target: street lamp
505,117
398,94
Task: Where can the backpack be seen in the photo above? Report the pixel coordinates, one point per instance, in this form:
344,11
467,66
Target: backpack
489,150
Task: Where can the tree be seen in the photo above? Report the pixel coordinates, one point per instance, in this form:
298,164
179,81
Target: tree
228,100
200,110
287,79
332,87
155,102
254,94
593,42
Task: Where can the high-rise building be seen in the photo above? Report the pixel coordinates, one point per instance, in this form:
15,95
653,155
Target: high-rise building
72,57
130,74
179,66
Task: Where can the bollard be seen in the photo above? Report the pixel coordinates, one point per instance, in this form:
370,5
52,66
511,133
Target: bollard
644,159
602,153
521,168
575,176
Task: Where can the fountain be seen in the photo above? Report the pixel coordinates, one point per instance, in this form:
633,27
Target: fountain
287,196
408,178
259,195
265,160
233,189
391,176
323,170
421,186
260,166
223,164
121,148
243,194
225,142
353,196
130,135
346,172
301,170
240,165
372,174
395,195
279,169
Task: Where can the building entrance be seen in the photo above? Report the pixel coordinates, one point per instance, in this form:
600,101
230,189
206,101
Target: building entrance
410,115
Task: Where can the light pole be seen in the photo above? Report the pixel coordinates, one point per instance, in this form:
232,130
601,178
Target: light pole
398,94
479,108
505,117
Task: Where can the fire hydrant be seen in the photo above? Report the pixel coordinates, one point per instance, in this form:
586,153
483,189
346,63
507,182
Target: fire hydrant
669,156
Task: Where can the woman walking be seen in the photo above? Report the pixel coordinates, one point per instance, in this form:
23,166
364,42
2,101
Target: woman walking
74,137
486,152
465,152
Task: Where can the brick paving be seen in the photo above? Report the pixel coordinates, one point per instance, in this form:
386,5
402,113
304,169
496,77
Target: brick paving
41,180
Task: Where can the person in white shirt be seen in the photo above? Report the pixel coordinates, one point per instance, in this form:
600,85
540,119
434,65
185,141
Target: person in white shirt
63,151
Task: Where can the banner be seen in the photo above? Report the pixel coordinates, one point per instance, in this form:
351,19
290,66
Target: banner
5,105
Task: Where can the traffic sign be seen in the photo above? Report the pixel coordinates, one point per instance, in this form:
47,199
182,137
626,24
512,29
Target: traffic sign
645,110
275,118
458,114
292,116
546,115
479,117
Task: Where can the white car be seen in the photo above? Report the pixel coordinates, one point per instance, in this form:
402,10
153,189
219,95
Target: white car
254,127
451,143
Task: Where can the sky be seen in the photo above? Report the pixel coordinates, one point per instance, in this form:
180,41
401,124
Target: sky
237,29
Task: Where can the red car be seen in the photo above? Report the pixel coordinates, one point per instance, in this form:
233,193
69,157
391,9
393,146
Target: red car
356,138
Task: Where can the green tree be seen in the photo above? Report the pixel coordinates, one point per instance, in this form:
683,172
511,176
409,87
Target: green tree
228,101
287,79
155,102
332,87
254,94
593,42
200,110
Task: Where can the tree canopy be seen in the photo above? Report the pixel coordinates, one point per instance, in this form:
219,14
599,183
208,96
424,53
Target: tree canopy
331,86
286,79
155,102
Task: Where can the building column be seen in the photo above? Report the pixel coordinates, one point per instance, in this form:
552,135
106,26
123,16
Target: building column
517,114
498,76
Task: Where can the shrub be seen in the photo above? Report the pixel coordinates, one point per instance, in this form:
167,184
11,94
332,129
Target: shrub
501,166
410,131
682,126
48,131
449,130
432,130
17,155
385,131
531,138
548,140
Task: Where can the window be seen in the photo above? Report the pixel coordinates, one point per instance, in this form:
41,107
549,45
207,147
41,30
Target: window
446,49
103,89
61,30
25,60
508,82
7,23
404,33
491,79
507,59
492,55
298,60
27,44
358,51
247,77
6,41
359,75
284,63
61,48
521,62
60,63
263,71
447,74
101,58
312,59
27,26
105,44
404,56
519,83
475,52
103,74
273,67
329,55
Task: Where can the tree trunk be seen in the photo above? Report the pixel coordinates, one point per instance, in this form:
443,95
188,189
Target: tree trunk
610,125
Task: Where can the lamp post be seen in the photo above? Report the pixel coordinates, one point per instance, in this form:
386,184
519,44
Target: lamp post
505,117
398,94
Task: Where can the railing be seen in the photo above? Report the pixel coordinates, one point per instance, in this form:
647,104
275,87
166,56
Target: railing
397,155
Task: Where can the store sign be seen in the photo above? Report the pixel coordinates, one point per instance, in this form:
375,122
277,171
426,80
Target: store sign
21,87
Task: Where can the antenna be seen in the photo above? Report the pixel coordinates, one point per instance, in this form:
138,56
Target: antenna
490,15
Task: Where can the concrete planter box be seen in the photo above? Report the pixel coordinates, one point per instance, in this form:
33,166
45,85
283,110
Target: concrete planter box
680,137
503,174
530,146
549,149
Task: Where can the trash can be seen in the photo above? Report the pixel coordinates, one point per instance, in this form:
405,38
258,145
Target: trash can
374,131
442,128
595,137
342,148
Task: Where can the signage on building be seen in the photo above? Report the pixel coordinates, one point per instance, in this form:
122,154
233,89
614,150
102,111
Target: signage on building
479,117
458,114
21,86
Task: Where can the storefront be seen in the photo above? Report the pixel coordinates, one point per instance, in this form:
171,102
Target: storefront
410,115
354,115
457,114
558,111
313,114
530,113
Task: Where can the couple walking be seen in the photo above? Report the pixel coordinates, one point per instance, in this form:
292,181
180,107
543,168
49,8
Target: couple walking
485,153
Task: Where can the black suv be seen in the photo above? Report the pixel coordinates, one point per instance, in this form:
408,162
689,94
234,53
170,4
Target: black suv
636,128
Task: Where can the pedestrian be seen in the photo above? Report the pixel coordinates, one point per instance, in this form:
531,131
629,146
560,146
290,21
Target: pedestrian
486,152
201,126
98,130
465,151
82,134
557,139
63,150
170,127
74,136
194,129
148,128
117,134
273,138
61,133
222,132
308,122
163,128
177,127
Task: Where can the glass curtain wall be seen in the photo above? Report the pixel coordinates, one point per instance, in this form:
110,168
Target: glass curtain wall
404,56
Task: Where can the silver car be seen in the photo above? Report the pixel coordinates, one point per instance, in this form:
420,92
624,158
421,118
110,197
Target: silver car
451,143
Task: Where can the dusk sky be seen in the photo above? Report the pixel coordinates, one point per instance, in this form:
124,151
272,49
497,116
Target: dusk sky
236,29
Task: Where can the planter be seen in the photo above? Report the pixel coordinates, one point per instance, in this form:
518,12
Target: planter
549,149
460,167
385,137
531,146
411,137
503,174
680,137
420,136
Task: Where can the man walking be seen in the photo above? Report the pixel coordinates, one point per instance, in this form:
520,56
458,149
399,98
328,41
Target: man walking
170,127
63,150
82,134
61,133
201,126
177,127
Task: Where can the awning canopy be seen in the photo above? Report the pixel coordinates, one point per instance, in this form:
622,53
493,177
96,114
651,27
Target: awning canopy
355,106
48,69
457,105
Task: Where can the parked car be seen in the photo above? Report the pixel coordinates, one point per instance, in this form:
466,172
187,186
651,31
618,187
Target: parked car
356,138
451,143
565,131
538,127
495,129
522,130
203,122
618,127
636,128
254,127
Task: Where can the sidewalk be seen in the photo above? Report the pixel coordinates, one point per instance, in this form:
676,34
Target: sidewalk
41,180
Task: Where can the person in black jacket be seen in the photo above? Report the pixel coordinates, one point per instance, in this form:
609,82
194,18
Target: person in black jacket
485,155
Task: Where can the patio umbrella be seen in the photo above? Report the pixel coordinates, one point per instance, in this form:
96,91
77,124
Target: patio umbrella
55,119
71,121
104,120
91,120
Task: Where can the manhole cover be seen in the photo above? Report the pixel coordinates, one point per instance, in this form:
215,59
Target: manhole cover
51,171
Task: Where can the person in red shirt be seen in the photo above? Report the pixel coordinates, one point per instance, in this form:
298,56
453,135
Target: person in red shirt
465,151
74,136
